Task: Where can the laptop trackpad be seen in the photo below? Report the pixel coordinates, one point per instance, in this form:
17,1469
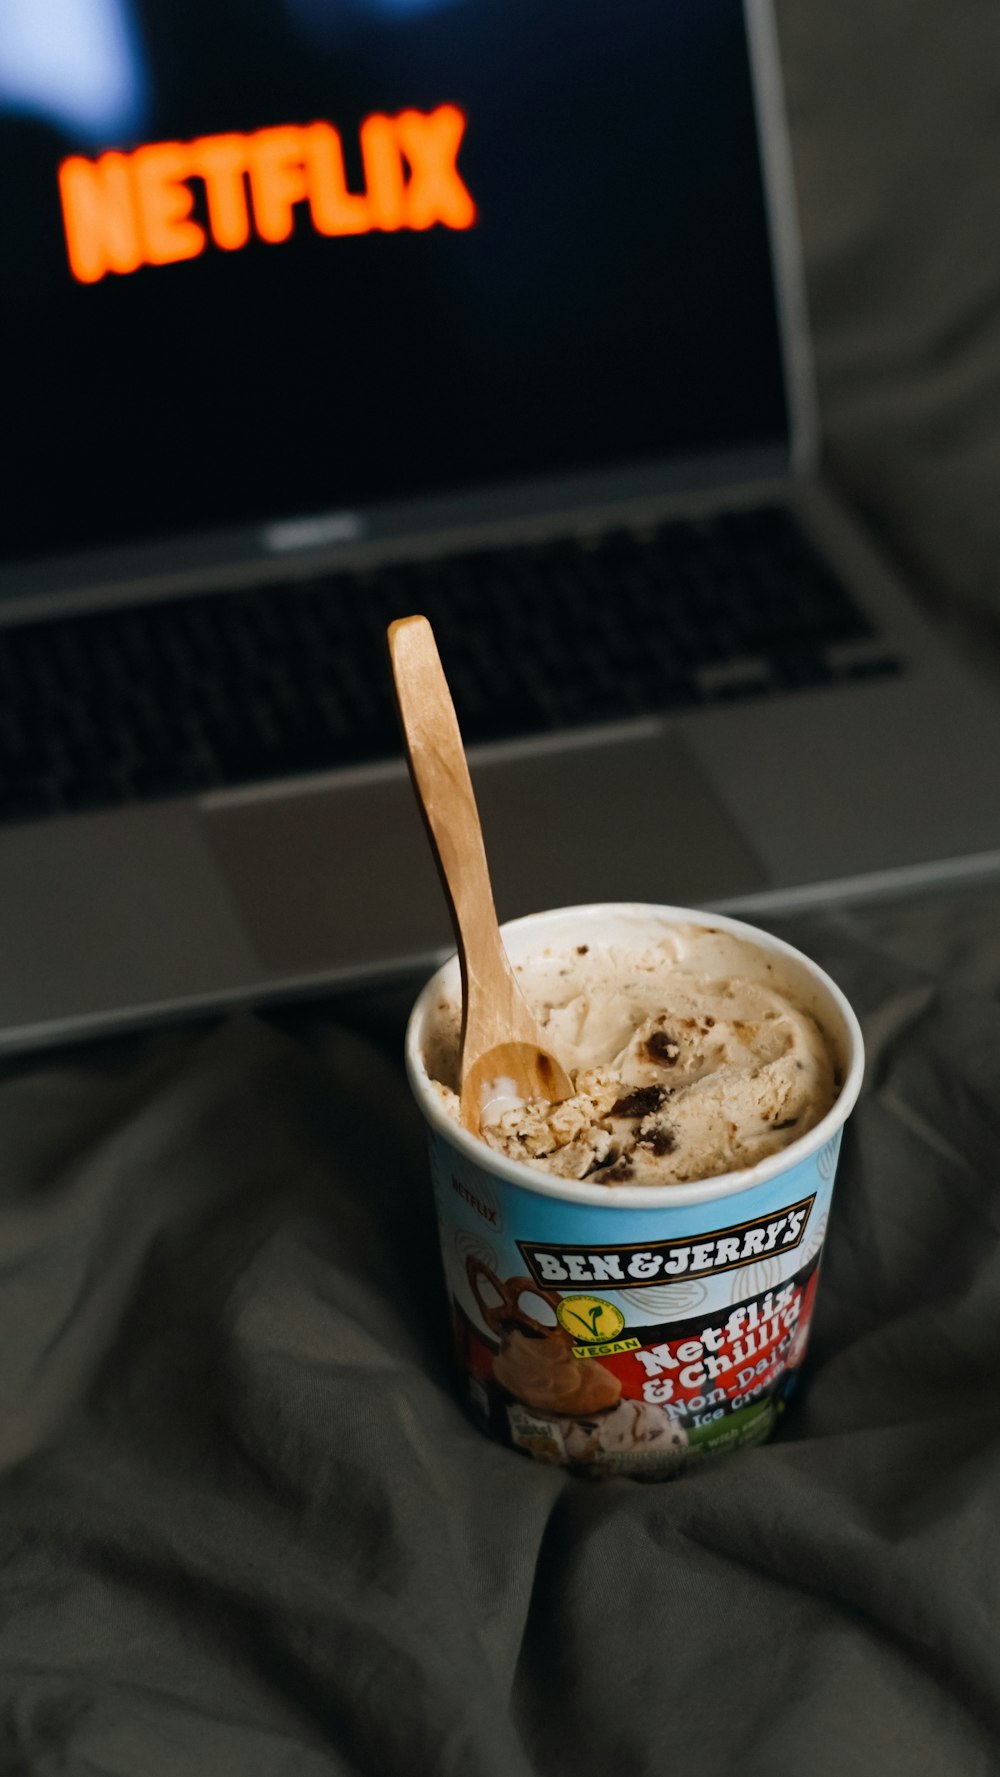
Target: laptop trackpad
339,877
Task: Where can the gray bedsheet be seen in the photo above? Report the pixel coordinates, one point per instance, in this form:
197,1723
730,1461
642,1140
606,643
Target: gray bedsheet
245,1527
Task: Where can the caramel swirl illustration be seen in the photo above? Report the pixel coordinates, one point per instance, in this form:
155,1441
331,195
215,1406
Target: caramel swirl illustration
535,1362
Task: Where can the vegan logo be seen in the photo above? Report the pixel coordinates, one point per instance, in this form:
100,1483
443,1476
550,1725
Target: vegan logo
589,1319
123,211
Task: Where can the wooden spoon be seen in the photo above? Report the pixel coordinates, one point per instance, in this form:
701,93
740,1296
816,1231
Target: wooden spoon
502,1051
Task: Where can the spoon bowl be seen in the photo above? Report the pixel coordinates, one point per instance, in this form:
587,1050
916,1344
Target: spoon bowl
505,1076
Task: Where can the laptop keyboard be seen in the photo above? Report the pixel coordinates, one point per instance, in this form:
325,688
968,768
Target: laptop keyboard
215,690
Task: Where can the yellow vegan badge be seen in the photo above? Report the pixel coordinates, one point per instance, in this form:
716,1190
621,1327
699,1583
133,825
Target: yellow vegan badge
589,1319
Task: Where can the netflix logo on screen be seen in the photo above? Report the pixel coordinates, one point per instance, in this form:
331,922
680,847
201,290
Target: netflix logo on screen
123,211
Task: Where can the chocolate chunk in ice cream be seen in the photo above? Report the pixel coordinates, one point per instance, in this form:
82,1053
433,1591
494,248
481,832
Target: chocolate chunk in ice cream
661,1047
639,1103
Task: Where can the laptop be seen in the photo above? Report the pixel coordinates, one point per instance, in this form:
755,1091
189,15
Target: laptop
488,311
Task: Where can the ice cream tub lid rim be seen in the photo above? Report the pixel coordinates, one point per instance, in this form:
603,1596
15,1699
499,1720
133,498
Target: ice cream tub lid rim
625,1196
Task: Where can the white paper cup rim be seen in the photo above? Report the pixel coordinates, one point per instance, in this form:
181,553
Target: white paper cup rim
726,1184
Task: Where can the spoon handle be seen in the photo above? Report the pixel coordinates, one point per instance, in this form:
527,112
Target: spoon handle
494,1010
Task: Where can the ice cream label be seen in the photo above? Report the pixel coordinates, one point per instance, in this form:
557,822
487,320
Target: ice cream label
619,1340
631,1270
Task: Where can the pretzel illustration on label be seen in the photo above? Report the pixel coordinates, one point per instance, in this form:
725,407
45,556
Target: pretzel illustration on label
535,1362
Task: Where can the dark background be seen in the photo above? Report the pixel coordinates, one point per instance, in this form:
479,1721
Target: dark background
599,311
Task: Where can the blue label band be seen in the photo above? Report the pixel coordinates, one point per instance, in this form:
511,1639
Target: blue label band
625,1340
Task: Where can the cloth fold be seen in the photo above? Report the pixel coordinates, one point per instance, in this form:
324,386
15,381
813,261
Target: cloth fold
245,1525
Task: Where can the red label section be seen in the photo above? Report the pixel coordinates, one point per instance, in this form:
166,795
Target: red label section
725,1364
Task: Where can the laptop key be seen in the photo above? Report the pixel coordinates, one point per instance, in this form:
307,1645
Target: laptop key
84,793
25,803
799,668
884,666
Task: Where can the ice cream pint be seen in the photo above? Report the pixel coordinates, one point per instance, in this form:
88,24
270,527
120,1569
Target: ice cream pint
626,1328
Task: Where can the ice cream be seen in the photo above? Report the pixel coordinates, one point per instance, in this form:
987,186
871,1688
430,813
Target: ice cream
631,1425
689,1058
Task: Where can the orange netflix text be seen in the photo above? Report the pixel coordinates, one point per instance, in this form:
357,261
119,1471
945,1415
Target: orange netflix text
123,211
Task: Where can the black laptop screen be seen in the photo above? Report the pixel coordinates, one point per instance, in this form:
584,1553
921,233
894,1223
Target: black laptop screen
291,256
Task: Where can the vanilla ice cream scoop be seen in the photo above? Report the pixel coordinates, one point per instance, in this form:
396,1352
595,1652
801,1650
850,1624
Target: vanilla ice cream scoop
680,1071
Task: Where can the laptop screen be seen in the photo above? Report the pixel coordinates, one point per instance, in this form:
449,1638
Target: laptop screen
306,255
